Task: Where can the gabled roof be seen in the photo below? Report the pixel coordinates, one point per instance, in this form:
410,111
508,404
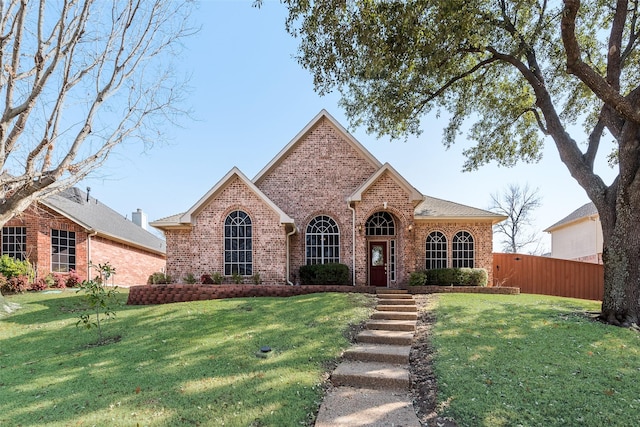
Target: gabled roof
94,216
583,212
413,194
438,209
322,115
187,217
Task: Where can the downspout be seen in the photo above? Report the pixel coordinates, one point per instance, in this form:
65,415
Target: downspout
294,231
89,236
353,243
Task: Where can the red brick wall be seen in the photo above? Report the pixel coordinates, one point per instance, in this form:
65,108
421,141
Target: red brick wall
201,250
316,178
482,233
133,266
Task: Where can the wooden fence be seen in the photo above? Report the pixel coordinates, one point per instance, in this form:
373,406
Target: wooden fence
549,276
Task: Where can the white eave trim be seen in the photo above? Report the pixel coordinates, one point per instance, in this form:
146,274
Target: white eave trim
187,217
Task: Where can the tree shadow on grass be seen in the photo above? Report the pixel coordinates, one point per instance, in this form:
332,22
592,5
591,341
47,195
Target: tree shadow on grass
185,363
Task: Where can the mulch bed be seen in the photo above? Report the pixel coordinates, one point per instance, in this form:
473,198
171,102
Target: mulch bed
423,380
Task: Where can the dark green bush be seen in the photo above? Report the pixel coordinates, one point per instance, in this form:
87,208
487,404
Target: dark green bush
456,277
324,274
418,278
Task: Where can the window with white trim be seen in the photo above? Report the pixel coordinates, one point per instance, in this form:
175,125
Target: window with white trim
63,251
463,250
238,244
322,241
14,242
436,250
380,224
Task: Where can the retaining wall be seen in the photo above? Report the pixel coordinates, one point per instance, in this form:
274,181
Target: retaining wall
163,294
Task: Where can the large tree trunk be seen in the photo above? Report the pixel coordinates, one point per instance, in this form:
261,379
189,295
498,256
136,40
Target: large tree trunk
621,258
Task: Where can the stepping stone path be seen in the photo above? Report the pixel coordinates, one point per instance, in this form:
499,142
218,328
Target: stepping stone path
371,384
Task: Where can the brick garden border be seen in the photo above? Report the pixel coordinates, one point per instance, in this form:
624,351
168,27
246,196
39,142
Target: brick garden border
163,294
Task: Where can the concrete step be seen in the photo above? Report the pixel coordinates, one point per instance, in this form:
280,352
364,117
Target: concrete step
397,301
394,296
395,315
392,325
395,354
380,291
371,375
351,407
385,337
396,307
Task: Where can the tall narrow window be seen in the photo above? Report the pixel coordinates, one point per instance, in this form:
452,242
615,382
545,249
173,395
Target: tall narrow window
14,242
238,244
436,250
63,251
463,251
380,224
392,260
322,241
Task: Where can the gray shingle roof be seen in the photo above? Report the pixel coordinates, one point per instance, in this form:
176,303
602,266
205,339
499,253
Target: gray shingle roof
584,211
93,215
433,208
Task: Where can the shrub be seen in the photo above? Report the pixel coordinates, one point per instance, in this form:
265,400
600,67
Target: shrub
206,279
40,284
3,281
73,279
256,279
237,278
417,278
217,278
59,280
159,278
324,274
11,267
190,279
457,277
17,284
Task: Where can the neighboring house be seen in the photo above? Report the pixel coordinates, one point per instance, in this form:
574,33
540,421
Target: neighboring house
578,236
324,199
70,230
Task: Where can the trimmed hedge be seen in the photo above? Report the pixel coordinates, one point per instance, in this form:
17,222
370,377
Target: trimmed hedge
324,274
450,277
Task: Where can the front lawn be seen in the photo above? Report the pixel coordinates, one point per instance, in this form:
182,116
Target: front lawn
531,360
176,364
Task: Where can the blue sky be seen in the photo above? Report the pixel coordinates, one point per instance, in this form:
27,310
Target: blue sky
250,98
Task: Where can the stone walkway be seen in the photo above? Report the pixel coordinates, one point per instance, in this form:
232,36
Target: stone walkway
371,384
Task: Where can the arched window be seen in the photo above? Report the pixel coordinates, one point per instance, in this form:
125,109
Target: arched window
380,224
436,250
322,241
463,251
238,244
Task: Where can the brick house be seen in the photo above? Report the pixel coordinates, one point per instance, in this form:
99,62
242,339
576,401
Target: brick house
324,198
69,230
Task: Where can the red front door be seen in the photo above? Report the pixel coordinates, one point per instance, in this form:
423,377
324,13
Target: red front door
378,263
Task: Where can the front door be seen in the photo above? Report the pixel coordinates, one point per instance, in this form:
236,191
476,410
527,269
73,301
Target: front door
378,263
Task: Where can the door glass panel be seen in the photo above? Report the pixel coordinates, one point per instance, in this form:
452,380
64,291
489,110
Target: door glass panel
377,258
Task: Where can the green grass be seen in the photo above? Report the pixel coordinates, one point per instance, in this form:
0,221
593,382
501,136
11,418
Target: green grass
176,364
531,360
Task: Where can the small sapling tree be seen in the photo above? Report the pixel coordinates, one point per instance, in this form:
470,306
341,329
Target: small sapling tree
101,300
